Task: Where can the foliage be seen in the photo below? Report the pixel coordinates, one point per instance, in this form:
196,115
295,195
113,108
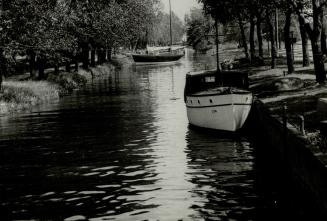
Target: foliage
199,26
56,30
159,32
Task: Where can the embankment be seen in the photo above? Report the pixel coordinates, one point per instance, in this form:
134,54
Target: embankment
22,95
305,163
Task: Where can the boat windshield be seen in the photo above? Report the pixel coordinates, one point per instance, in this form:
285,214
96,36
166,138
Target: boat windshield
200,83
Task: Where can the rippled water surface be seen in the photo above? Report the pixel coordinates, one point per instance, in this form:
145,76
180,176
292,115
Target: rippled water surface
122,149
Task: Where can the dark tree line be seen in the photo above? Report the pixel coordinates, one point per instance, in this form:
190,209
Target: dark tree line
50,33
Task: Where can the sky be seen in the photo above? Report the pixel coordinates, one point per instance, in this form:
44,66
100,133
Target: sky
180,7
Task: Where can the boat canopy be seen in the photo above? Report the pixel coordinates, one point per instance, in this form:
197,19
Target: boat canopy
205,80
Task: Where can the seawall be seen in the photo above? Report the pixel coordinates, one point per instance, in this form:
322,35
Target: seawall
305,163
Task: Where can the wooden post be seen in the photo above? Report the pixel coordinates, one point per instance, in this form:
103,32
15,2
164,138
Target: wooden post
284,124
302,125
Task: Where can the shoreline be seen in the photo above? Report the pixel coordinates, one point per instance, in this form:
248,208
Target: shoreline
19,94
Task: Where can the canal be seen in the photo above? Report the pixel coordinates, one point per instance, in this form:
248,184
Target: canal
122,149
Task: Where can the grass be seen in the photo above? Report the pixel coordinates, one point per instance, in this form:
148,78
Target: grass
17,95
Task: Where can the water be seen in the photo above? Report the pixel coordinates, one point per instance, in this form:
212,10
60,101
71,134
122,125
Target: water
122,149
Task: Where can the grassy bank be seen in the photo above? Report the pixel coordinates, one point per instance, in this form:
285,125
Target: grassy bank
18,95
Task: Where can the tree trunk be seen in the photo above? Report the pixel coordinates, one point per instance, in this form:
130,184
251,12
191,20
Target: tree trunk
76,61
305,44
32,56
85,56
41,62
68,62
323,36
245,45
277,31
109,54
93,57
323,43
288,43
259,35
56,68
318,61
101,56
134,46
2,67
272,40
316,42
252,45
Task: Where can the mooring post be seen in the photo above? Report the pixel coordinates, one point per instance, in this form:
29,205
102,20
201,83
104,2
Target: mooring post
284,116
302,125
284,125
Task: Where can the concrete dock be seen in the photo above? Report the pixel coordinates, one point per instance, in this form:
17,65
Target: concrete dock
304,162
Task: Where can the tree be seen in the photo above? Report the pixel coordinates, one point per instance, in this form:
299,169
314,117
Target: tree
305,43
199,27
314,29
53,32
229,11
243,36
43,31
159,33
288,43
270,23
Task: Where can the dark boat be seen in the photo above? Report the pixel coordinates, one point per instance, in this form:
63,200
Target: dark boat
167,57
160,56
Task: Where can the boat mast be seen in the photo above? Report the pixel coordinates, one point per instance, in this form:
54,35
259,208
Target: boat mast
171,38
217,52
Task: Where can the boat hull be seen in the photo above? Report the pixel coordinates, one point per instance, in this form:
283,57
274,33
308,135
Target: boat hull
226,112
156,58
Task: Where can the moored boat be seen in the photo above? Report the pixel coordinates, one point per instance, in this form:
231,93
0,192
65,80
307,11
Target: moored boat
152,58
155,55
212,106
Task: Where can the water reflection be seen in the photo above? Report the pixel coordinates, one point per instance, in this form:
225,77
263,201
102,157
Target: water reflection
222,171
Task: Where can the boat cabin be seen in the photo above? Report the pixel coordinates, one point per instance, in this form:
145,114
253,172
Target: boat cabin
204,80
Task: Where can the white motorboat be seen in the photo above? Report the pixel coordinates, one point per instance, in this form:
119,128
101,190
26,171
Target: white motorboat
217,107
